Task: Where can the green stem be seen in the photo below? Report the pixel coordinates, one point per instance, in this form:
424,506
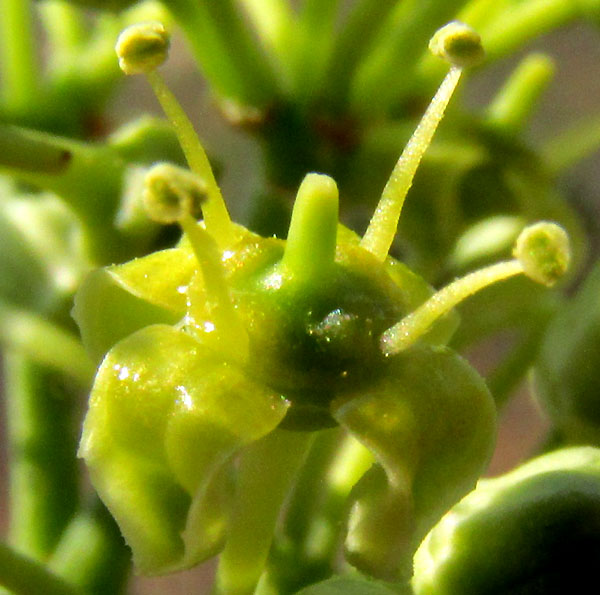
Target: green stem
20,73
24,576
87,177
349,46
92,554
64,27
385,73
508,374
42,442
516,101
306,495
350,463
315,35
306,552
268,467
45,343
576,143
231,60
274,23
479,13
523,22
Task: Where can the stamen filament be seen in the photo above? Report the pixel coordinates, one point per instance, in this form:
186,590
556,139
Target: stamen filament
227,323
382,228
214,210
406,332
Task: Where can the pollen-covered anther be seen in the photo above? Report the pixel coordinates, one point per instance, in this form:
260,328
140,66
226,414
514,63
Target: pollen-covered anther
458,44
172,193
142,48
544,252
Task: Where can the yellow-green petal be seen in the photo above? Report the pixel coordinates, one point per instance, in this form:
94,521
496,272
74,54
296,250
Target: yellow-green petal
430,423
116,301
165,415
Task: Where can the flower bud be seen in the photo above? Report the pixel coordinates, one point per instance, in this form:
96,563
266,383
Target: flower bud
544,252
142,48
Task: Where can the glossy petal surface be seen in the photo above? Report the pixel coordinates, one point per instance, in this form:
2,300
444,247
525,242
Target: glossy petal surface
165,416
431,424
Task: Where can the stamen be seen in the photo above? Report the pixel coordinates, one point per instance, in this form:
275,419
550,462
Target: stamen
541,252
310,247
172,194
141,48
461,46
544,252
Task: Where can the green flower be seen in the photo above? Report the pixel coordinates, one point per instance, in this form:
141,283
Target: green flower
230,338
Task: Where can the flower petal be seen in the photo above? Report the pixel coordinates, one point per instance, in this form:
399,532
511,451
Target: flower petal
165,416
431,426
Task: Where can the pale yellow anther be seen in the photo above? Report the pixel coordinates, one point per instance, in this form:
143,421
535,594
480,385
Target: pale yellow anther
458,44
171,192
142,48
544,252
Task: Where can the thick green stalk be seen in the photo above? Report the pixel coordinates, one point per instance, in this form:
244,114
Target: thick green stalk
87,177
20,72
507,375
478,13
358,32
274,22
315,35
526,21
92,554
315,520
267,470
24,576
45,343
41,444
350,463
64,26
231,59
572,145
306,495
517,99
